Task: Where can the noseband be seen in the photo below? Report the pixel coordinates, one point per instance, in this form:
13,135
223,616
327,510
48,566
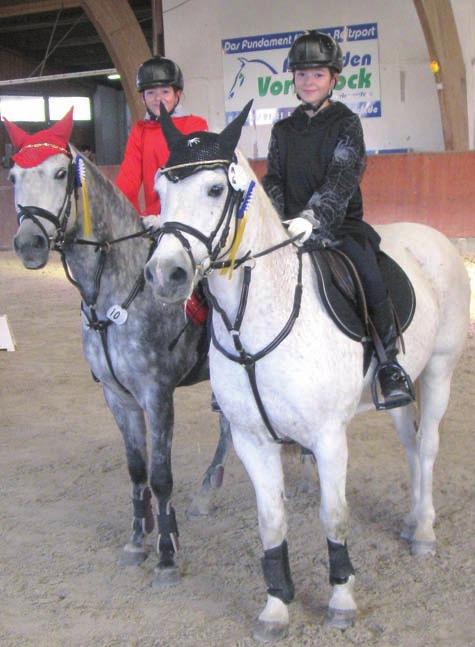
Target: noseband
60,221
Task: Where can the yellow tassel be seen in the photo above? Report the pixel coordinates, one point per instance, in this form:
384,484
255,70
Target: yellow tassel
235,247
86,215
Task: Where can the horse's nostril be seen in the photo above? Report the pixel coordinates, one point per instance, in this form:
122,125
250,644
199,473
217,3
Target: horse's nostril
148,275
39,242
178,275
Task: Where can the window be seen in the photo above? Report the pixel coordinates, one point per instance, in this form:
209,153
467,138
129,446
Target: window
59,106
22,108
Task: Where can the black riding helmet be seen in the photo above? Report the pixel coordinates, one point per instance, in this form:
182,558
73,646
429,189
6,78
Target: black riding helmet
315,49
159,71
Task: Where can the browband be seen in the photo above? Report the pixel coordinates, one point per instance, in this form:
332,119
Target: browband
45,144
200,163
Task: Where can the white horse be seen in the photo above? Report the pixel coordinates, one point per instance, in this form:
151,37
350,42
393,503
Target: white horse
311,384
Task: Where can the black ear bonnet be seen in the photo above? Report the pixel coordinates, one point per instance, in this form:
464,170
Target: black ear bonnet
193,152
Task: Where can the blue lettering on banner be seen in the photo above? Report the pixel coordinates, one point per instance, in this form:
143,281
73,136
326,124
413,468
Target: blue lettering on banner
337,33
258,43
366,31
366,108
362,108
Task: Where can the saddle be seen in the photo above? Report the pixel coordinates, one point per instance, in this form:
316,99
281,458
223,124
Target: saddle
343,296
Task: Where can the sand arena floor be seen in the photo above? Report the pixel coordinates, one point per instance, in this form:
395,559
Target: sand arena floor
65,513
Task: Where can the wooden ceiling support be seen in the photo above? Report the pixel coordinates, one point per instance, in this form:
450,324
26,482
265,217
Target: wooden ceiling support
40,6
116,24
440,31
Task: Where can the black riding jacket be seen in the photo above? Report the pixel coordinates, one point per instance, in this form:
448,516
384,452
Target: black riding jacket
316,164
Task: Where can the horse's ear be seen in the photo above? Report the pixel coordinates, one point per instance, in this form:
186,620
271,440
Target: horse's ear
64,127
229,137
171,132
17,135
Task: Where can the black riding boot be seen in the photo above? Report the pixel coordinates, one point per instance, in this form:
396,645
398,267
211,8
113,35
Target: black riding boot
396,386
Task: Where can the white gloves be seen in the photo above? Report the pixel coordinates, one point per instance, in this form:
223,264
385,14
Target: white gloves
151,222
298,226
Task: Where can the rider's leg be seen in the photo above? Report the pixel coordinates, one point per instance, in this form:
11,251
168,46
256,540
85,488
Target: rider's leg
394,386
393,381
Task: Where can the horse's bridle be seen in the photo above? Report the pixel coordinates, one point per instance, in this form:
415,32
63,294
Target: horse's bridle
60,221
57,243
215,251
242,356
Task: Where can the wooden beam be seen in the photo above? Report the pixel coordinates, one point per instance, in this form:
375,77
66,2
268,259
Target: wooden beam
116,24
440,31
8,10
158,40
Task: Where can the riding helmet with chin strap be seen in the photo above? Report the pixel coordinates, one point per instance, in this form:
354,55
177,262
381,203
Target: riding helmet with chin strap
315,49
159,71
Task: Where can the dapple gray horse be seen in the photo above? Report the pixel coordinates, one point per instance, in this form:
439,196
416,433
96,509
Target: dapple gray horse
280,367
131,341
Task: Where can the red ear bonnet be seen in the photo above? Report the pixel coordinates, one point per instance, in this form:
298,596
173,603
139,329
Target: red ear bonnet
34,149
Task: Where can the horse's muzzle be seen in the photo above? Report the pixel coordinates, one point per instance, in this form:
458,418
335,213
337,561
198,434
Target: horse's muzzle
33,250
169,281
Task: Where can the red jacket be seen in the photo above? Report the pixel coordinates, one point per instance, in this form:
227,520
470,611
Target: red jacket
145,153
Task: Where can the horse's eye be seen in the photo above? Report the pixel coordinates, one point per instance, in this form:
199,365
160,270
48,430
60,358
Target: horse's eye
12,178
61,174
216,190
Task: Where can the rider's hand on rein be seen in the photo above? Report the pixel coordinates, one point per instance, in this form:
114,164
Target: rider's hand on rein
299,226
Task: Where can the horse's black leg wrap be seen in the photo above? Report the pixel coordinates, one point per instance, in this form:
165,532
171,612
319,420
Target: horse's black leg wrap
143,514
340,565
276,569
167,544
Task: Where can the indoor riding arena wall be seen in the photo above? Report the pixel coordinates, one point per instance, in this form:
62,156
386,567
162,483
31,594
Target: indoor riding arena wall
437,189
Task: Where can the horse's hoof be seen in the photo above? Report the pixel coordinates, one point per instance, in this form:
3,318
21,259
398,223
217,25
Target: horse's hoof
165,577
339,618
269,632
423,548
132,556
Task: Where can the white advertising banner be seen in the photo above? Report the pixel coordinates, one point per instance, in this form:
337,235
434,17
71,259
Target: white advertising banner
256,67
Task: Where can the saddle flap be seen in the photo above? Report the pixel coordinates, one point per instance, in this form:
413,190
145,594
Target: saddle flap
340,291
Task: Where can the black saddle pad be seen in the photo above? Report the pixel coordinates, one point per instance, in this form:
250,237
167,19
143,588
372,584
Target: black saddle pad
347,313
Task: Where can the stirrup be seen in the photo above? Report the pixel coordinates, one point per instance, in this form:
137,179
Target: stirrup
383,404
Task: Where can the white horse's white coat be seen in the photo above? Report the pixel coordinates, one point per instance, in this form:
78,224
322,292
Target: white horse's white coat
312,384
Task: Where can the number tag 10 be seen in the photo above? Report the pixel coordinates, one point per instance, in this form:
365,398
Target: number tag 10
117,314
